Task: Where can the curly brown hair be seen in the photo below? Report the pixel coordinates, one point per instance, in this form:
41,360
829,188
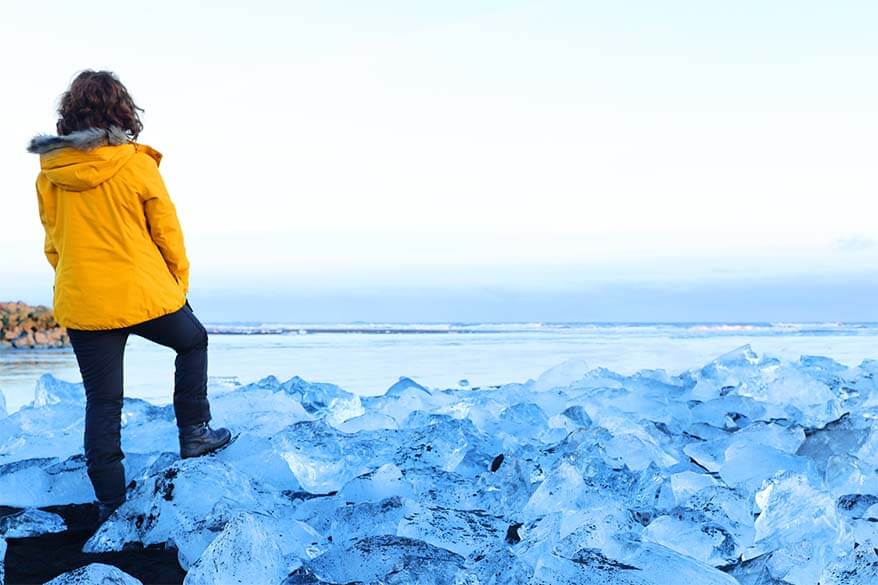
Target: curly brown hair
97,99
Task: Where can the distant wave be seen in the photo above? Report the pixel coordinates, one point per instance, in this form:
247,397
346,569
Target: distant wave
658,329
732,328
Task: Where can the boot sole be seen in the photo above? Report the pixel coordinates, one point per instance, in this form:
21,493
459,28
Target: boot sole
208,451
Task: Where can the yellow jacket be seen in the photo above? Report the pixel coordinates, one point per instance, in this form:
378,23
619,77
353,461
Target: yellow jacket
112,233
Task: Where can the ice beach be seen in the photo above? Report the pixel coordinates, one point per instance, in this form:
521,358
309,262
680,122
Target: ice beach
751,469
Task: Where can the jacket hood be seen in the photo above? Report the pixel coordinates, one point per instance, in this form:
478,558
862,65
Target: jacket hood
83,159
87,139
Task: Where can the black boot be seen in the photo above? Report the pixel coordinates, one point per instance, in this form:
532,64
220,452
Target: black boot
200,439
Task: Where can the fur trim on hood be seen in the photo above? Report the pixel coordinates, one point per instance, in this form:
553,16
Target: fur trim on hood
87,139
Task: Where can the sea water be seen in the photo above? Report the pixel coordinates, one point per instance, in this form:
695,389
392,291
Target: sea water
367,358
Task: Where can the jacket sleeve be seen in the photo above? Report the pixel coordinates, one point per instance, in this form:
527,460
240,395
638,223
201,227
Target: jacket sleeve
164,227
48,245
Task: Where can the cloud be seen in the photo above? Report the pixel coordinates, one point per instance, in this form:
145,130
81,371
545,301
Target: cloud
855,244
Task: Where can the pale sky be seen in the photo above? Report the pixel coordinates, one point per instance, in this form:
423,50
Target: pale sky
471,160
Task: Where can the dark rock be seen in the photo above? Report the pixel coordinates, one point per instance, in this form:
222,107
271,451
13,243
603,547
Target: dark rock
512,536
25,327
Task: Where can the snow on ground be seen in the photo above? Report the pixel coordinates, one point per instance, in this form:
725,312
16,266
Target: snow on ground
749,470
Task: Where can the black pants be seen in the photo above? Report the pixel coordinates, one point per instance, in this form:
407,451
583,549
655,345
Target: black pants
100,353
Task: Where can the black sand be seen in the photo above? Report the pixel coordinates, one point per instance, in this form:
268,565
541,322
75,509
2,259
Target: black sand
38,559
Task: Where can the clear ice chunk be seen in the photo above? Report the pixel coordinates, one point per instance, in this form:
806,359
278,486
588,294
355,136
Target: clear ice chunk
95,574
30,522
387,559
762,467
244,552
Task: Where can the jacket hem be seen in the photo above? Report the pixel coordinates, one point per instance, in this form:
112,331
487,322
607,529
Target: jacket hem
120,325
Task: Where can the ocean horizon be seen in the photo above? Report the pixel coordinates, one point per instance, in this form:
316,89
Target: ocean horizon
386,327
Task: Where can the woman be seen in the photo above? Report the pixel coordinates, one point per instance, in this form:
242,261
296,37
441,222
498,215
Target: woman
113,239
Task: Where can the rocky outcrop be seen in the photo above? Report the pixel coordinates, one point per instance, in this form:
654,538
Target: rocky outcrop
24,326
